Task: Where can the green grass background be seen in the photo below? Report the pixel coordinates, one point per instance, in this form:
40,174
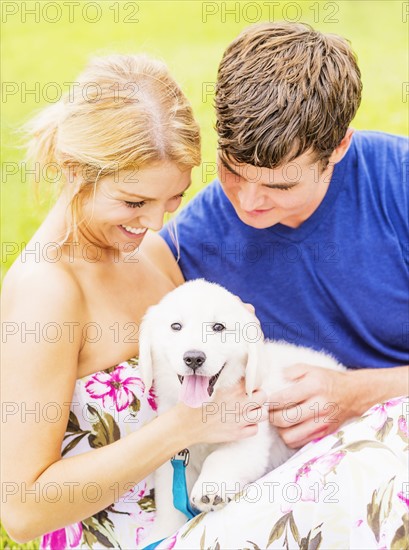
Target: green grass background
191,40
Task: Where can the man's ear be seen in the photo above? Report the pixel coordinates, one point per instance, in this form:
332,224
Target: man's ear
340,151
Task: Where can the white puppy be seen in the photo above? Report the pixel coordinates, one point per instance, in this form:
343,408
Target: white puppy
198,338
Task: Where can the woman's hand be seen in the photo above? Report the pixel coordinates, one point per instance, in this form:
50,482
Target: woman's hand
230,416
316,404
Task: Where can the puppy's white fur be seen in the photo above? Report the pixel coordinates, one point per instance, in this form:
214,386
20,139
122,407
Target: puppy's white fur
215,472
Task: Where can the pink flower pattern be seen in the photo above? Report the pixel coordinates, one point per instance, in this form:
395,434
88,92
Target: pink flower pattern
122,406
315,470
310,477
403,426
404,499
152,399
359,522
62,538
114,389
169,543
148,518
118,387
380,417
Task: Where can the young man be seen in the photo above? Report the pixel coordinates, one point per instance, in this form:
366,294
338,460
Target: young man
308,221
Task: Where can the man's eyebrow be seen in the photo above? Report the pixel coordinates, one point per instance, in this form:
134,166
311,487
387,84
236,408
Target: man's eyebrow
140,197
228,167
269,185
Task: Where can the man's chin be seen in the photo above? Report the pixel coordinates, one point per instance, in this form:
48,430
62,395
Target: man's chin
257,222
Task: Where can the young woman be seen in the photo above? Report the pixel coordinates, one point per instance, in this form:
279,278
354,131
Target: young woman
124,141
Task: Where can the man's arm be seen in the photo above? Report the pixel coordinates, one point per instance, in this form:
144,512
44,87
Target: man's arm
321,400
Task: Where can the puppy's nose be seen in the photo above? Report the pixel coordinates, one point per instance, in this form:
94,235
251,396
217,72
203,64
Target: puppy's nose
194,359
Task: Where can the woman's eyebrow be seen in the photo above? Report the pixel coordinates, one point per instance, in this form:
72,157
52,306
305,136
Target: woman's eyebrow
136,195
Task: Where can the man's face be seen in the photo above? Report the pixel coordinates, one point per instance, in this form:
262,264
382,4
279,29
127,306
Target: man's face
263,197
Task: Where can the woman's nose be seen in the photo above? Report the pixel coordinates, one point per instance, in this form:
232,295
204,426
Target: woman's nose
153,219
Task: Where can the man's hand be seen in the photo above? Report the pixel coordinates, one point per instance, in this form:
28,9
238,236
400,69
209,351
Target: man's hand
316,404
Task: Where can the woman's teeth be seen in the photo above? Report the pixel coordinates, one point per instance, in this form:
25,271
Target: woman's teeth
134,230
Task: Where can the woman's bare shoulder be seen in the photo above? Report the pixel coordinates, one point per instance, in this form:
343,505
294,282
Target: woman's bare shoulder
158,252
52,284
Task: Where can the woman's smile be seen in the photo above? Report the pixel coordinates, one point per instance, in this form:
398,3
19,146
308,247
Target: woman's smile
133,232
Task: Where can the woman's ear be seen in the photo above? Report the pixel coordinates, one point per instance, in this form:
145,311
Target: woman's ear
71,171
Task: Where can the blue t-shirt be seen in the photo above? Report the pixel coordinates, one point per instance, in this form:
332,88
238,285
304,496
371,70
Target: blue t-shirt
340,281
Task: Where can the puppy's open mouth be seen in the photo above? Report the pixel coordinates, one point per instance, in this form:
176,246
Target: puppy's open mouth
196,388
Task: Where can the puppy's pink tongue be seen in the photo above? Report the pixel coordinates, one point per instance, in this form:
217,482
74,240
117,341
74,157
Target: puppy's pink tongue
194,390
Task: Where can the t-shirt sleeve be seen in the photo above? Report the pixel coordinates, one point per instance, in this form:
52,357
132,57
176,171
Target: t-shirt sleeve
202,221
381,173
168,235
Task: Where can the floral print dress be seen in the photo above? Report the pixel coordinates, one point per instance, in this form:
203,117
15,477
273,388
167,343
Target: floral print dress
349,490
106,406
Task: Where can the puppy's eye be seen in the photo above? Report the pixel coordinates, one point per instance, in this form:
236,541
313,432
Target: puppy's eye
176,326
218,327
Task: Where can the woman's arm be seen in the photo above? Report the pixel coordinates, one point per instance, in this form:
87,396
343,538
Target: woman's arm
321,400
41,491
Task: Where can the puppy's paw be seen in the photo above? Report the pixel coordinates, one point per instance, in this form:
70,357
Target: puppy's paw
208,503
211,496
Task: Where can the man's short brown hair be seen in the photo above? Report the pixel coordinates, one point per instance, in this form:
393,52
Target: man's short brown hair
284,89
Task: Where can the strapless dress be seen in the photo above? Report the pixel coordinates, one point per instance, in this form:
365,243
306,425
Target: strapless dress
106,406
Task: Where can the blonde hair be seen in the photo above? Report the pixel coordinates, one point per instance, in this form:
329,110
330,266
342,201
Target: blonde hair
123,112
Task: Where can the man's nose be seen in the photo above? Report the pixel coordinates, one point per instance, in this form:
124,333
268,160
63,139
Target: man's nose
250,196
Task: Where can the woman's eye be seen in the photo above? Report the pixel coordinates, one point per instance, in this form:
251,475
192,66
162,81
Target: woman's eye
218,327
177,197
134,204
176,326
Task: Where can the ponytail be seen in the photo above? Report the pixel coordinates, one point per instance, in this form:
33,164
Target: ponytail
41,134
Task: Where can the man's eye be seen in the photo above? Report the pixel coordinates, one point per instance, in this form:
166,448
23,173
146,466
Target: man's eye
280,187
218,327
134,204
176,326
285,187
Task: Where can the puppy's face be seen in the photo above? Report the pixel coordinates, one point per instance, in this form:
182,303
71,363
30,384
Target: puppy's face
198,337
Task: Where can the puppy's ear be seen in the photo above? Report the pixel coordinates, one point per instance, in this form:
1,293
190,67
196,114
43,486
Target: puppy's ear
253,375
145,355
